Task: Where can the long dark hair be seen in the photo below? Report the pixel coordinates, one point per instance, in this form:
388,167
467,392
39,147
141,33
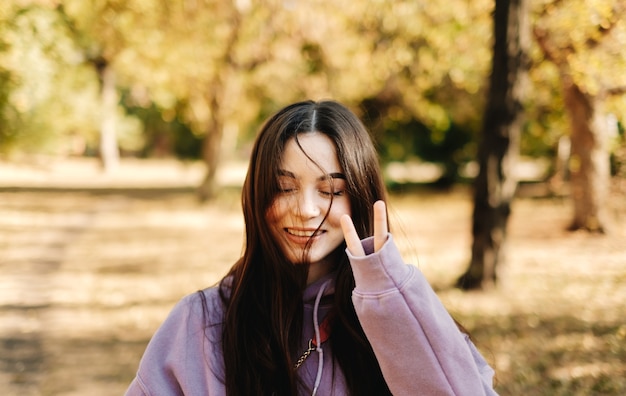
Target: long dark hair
262,293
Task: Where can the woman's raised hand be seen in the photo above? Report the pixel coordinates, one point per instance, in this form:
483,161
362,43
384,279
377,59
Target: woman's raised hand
380,230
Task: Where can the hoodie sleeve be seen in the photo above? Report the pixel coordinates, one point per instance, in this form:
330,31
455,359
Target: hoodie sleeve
175,361
418,346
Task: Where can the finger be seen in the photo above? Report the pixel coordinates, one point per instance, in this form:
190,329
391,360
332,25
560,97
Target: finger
352,238
380,225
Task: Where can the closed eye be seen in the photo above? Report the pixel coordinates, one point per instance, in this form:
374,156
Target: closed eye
286,184
335,186
334,193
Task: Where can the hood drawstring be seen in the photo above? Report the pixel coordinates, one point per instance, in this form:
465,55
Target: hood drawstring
318,338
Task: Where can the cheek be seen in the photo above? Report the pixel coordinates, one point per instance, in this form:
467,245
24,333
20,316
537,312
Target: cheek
271,215
276,210
338,209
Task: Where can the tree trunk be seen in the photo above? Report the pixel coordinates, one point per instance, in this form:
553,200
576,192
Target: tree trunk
495,185
212,145
589,164
211,148
109,151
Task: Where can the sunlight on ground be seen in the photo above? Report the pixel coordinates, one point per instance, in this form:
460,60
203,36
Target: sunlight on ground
87,277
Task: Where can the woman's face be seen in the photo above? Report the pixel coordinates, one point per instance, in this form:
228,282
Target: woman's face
307,188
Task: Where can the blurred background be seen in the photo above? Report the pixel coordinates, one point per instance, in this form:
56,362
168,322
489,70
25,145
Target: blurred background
125,129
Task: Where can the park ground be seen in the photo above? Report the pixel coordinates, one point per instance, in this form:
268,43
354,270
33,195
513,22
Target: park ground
91,264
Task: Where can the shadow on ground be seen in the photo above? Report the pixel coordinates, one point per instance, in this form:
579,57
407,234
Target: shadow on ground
87,277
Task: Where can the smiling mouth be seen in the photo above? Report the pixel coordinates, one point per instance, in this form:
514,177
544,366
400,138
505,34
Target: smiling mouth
304,233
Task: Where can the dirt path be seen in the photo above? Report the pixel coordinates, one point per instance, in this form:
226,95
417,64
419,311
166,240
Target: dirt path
88,277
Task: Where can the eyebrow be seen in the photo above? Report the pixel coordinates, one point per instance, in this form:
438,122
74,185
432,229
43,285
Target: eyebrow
332,175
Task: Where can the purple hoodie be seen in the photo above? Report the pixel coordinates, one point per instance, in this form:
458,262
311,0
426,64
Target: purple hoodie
418,346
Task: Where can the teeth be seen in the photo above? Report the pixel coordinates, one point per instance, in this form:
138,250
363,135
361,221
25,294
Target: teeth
301,233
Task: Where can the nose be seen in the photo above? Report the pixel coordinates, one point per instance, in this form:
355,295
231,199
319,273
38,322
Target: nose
308,206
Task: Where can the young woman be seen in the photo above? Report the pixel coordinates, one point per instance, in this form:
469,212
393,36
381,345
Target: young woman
320,301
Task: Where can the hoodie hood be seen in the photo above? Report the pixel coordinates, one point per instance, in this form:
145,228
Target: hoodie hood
312,290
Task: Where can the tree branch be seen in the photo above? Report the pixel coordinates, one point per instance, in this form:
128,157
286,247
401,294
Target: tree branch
616,91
